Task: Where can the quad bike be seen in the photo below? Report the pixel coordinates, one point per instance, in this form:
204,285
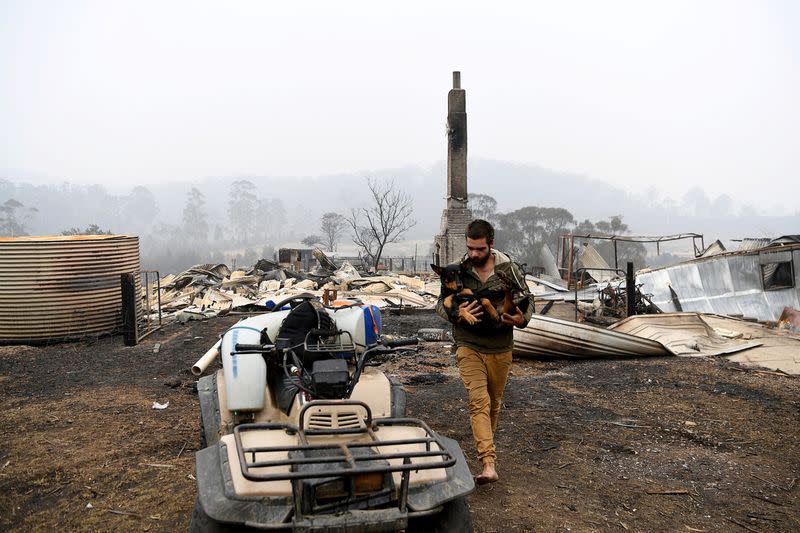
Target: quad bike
299,432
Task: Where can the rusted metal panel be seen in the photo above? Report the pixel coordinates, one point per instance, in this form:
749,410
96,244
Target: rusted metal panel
59,288
547,336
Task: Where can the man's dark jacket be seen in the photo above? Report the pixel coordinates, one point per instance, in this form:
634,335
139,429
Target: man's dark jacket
483,337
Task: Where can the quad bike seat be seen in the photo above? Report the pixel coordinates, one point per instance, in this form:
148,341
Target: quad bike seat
309,316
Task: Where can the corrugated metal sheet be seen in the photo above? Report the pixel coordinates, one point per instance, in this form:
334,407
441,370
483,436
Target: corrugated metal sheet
682,334
752,244
726,284
779,350
549,260
547,336
591,259
714,248
542,285
58,288
587,294
786,239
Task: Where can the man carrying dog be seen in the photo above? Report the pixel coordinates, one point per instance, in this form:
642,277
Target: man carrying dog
484,350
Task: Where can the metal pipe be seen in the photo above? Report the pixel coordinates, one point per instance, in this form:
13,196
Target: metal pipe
202,363
559,255
571,259
158,292
630,289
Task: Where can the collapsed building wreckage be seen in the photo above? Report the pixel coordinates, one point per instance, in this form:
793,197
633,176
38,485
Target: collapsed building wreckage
756,282
204,291
741,304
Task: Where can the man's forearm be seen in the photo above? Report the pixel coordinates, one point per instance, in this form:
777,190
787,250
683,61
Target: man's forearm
440,310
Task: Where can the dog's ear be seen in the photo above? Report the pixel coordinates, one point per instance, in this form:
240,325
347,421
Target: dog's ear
437,269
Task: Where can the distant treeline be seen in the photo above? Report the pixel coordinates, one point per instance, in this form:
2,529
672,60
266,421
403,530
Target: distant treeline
69,209
226,219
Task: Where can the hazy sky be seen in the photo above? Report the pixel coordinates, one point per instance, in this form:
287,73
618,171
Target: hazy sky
639,94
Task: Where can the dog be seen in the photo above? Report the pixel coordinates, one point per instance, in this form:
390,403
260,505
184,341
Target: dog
455,294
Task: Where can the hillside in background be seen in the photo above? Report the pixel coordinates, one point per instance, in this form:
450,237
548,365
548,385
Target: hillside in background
158,208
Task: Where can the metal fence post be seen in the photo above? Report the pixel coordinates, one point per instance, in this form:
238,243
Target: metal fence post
630,290
130,325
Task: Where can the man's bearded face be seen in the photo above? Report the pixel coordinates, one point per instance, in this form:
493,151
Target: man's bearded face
478,251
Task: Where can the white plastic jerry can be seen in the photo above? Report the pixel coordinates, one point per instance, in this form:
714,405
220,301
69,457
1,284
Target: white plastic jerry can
245,373
362,322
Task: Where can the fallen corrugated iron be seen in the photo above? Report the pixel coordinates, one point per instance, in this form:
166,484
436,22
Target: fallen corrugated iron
203,274
540,285
784,240
206,290
59,288
323,259
595,265
753,283
779,350
549,263
682,334
586,294
752,244
547,336
714,248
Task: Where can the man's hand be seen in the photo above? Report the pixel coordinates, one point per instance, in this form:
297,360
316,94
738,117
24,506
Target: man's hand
471,312
517,319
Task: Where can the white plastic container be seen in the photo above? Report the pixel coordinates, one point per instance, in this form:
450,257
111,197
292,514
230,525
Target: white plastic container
245,374
363,323
268,321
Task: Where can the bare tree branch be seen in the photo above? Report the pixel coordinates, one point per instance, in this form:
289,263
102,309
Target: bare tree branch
383,222
332,225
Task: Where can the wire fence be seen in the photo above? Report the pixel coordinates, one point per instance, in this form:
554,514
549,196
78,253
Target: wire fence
409,264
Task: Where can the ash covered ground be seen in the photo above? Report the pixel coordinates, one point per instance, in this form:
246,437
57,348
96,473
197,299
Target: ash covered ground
667,444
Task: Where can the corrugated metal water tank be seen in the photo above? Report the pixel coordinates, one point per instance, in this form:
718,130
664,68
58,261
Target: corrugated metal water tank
60,288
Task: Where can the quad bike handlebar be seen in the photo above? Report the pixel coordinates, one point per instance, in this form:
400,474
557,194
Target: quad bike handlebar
339,344
253,348
387,343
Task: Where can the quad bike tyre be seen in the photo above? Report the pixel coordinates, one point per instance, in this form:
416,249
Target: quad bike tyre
202,523
203,441
453,518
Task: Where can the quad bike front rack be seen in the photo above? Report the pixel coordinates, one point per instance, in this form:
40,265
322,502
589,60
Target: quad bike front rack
342,460
333,342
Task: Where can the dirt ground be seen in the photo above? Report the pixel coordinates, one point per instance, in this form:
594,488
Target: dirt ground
668,444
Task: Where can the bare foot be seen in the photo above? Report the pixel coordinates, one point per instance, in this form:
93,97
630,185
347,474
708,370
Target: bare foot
489,475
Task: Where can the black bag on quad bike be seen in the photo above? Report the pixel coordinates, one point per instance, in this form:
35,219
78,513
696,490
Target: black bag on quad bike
308,323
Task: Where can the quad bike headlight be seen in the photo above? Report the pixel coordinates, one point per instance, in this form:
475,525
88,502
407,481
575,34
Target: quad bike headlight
367,483
362,484
332,490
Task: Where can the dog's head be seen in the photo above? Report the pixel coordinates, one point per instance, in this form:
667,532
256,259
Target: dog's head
450,276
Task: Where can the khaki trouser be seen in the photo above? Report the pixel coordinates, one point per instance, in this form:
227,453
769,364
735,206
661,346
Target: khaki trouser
484,376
